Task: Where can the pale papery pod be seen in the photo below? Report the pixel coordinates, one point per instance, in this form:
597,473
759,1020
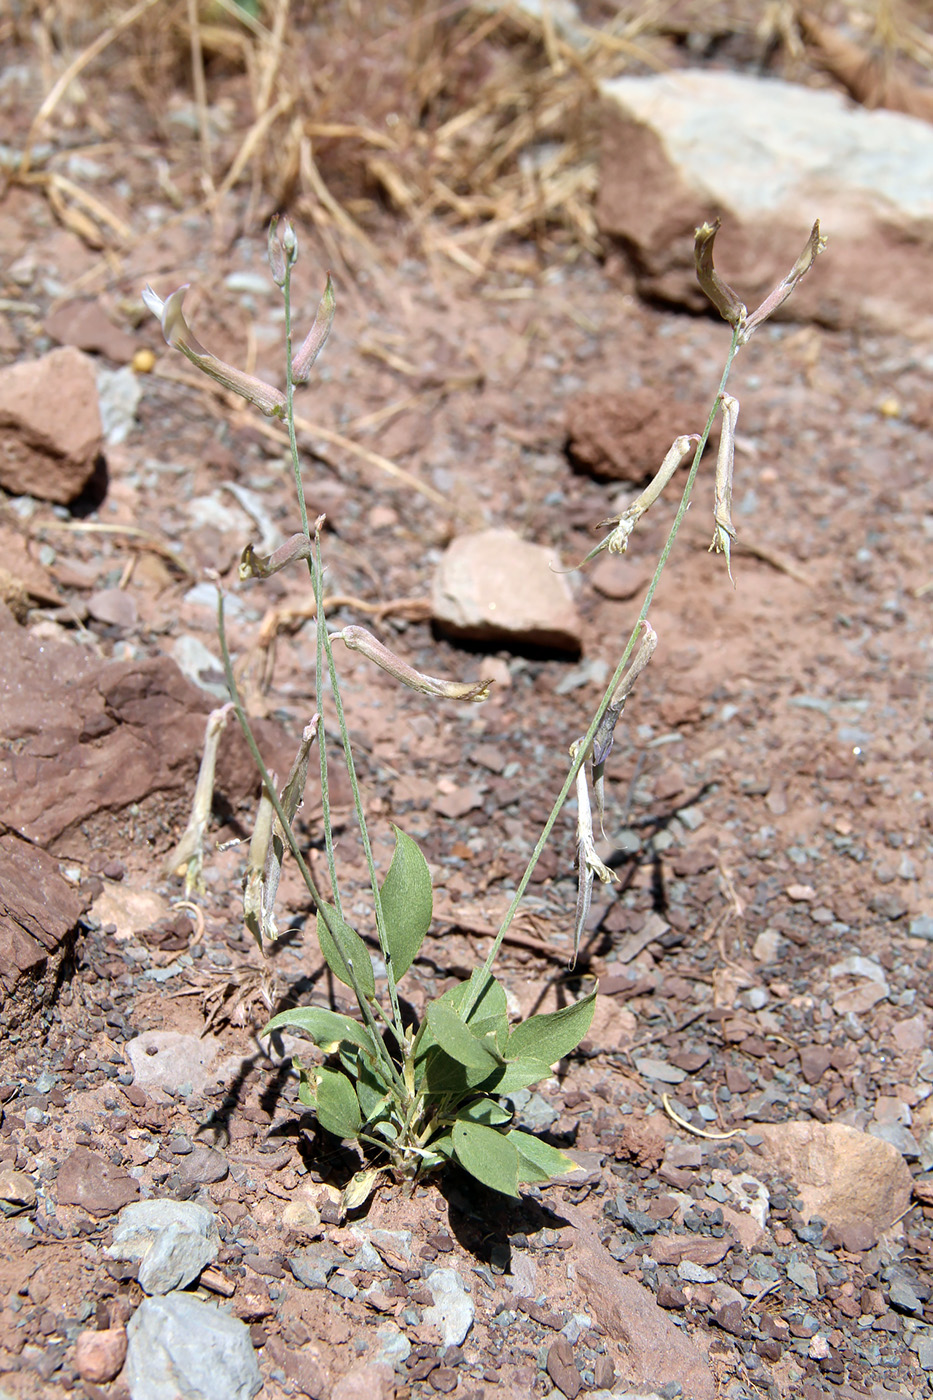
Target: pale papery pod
727,302
359,639
313,343
253,565
179,336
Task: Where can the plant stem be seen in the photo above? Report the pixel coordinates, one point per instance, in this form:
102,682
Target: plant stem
584,747
319,904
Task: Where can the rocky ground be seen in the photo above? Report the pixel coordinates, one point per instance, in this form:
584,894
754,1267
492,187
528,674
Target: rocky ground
752,1110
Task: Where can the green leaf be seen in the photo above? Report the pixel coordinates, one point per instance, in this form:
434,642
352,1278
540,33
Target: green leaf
326,1028
407,903
305,1089
553,1034
337,1106
457,1040
485,1111
518,1074
488,1155
345,949
539,1161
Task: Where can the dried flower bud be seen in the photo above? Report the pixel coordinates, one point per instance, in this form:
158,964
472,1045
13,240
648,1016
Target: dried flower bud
358,639
814,246
276,253
253,565
290,243
314,341
179,336
617,541
725,531
725,300
589,864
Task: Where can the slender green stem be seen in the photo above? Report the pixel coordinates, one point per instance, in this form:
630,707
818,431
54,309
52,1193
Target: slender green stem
583,750
292,841
290,398
360,813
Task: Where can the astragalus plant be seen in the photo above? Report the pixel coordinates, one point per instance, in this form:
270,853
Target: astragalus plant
416,1097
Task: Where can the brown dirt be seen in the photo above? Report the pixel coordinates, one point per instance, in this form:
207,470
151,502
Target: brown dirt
771,773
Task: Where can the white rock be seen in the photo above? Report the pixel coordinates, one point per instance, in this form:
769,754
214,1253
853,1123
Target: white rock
771,157
453,1310
496,586
171,1060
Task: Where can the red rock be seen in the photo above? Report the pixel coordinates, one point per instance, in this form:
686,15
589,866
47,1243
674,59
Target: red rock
99,1356
39,912
85,325
846,1177
698,1249
625,437
653,1349
561,1369
373,1381
814,1062
88,1180
52,455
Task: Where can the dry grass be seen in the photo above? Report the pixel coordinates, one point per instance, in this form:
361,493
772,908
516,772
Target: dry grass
472,122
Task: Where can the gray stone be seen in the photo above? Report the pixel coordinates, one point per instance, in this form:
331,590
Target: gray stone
182,1349
924,1349
203,1165
169,1059
903,1297
660,1070
118,394
770,157
453,1310
804,1277
922,927
898,1136
494,586
392,1346
314,1264
695,1273
173,1240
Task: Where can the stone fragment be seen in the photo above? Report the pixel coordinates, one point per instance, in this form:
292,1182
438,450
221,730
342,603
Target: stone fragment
85,325
183,1349
104,735
99,1356
173,1241
846,1177
87,1179
373,1381
303,1367
115,607
625,437
453,1309
912,1034
203,1166
494,586
661,1070
619,577
804,1276
794,154
17,1191
698,1249
654,1352
561,1369
314,1264
50,427
39,912
695,1273
814,1062
129,909
171,1060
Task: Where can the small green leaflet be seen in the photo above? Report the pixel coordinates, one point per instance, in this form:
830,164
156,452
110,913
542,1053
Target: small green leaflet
336,1104
552,1035
488,1155
407,903
326,1028
343,949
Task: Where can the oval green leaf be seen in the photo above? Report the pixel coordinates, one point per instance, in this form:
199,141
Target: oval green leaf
539,1161
457,1040
485,1111
407,903
346,954
518,1074
488,1155
336,1104
326,1028
553,1034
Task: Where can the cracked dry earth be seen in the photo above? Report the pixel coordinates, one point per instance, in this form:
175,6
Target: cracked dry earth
752,1110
